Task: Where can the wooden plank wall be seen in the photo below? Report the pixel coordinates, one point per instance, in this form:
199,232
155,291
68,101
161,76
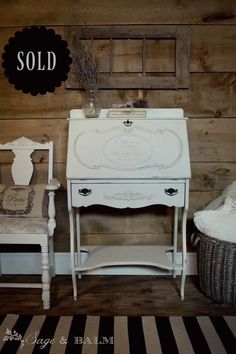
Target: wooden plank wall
210,103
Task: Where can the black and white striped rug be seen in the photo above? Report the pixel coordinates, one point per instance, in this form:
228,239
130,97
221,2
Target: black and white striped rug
117,335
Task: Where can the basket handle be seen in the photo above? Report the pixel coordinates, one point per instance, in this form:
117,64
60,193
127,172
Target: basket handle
195,239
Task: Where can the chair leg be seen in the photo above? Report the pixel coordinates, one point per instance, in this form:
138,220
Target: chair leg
45,277
51,257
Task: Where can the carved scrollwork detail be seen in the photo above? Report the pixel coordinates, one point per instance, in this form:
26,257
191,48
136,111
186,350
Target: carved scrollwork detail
22,142
132,149
128,195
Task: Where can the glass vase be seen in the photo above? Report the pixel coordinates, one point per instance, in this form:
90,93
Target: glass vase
91,109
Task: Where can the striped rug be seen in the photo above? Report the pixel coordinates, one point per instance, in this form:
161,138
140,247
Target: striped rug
117,335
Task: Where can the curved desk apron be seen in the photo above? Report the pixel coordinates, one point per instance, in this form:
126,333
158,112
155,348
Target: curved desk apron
128,159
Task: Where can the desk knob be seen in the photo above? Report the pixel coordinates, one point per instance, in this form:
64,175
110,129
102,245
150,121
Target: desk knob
85,192
171,191
128,123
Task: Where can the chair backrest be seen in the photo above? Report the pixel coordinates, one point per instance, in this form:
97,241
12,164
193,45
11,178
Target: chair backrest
22,167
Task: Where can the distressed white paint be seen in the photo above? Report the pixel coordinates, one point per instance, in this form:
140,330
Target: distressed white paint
22,171
147,149
125,162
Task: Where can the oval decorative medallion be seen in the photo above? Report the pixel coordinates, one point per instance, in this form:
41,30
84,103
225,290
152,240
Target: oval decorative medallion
127,150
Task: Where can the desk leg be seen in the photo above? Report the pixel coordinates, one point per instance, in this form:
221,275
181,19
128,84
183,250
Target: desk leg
72,238
72,251
175,238
78,239
184,251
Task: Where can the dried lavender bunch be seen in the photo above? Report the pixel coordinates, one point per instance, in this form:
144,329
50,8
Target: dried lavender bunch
86,64
140,103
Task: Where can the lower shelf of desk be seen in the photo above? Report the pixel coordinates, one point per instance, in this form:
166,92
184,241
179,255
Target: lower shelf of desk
106,256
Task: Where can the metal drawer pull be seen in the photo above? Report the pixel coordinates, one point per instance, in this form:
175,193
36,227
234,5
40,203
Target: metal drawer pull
85,192
171,191
128,123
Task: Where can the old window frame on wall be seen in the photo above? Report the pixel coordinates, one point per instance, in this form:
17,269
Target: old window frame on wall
181,35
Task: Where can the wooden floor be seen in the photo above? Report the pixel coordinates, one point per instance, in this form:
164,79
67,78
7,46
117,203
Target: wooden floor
114,295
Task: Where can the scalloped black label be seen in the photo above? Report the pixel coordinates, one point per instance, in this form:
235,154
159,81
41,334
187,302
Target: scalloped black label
36,60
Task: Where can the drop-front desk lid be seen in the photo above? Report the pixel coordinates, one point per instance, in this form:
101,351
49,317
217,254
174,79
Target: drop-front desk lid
124,144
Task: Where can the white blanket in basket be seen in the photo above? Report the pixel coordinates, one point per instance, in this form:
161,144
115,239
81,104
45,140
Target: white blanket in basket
218,219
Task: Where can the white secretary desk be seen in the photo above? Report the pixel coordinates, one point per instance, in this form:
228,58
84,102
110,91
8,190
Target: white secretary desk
128,158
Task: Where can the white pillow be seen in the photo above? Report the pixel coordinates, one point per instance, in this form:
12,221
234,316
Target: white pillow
23,201
220,223
218,219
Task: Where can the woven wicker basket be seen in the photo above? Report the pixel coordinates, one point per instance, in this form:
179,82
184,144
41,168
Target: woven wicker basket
217,269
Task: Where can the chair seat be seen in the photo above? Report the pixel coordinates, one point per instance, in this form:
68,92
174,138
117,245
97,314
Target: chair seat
23,225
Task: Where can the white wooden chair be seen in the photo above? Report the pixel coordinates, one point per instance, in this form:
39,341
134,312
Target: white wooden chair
22,220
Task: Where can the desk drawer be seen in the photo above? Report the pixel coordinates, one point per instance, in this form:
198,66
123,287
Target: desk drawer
125,195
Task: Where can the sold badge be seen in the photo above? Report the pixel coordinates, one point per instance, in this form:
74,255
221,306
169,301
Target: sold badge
36,60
